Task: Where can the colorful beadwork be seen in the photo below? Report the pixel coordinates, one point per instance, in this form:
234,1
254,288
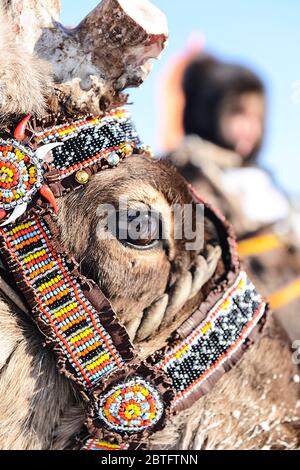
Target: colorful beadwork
66,131
60,302
88,142
131,406
21,174
83,336
227,326
96,444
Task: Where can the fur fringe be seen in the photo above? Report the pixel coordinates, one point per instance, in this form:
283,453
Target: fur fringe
24,79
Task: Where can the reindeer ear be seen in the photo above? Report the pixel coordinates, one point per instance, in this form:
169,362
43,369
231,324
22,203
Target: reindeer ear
23,77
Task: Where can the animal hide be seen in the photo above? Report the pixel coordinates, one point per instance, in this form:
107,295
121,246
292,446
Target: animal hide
24,79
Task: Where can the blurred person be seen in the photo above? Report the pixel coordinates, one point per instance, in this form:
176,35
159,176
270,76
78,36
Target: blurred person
224,126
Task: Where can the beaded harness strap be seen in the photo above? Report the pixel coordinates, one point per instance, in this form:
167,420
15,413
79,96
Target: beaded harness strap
126,400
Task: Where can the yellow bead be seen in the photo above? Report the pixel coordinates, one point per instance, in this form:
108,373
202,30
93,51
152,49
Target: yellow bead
126,149
82,177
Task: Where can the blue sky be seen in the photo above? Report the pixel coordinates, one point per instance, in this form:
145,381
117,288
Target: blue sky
264,34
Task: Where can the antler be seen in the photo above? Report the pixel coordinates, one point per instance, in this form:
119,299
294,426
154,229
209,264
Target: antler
93,63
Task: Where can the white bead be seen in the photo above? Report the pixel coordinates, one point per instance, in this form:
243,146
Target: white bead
113,159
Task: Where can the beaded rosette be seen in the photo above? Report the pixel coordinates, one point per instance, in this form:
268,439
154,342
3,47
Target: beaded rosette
126,400
131,406
21,174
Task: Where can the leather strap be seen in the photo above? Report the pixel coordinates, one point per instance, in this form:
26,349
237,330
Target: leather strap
92,348
89,145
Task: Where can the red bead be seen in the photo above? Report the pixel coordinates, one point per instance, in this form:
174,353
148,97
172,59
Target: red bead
3,214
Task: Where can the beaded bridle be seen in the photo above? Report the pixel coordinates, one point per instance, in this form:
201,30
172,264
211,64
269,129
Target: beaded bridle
125,399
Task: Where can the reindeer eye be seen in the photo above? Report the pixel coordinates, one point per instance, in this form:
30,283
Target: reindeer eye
140,229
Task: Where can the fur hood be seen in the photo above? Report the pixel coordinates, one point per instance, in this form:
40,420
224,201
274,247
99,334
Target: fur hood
209,85
199,153
220,176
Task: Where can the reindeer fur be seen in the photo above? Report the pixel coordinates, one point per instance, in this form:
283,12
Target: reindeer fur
256,405
24,79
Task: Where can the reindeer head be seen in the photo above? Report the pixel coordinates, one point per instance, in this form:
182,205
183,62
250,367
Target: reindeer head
154,281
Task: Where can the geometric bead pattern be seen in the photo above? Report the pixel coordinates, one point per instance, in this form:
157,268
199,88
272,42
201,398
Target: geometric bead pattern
61,303
89,141
131,406
222,333
93,443
20,174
